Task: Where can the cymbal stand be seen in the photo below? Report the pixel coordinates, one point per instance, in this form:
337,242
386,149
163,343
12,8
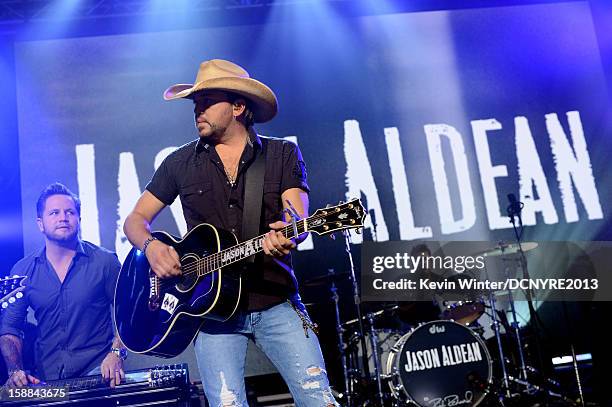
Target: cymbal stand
515,212
517,334
495,325
574,359
374,344
341,347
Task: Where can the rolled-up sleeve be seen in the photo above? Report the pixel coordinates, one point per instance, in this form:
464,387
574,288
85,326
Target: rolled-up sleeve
13,317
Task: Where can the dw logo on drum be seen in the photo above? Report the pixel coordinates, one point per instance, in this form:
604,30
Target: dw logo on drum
435,329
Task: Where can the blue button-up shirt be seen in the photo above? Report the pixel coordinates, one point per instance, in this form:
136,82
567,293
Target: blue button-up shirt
75,329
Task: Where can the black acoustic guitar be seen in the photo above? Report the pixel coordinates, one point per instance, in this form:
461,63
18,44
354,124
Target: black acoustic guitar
161,317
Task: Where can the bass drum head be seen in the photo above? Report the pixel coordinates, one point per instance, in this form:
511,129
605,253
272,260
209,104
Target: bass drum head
440,363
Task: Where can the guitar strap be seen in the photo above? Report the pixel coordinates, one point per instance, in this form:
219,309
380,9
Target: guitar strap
253,195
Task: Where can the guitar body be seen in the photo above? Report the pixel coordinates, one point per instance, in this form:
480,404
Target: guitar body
161,317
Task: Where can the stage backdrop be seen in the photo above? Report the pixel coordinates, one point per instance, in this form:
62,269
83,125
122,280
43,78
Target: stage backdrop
431,118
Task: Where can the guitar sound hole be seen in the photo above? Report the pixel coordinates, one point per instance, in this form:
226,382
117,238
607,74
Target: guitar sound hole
190,273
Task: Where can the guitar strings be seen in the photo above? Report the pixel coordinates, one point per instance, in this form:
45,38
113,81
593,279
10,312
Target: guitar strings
207,262
210,260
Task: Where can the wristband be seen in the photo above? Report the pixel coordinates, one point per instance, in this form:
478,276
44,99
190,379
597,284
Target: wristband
147,242
120,352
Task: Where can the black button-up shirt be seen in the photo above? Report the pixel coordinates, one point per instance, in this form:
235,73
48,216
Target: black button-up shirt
75,329
195,173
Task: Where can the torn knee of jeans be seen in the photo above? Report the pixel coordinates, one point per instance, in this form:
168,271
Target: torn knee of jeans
227,396
315,371
313,382
311,385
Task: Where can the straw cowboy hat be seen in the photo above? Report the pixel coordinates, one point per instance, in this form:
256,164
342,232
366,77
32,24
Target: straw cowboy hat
218,74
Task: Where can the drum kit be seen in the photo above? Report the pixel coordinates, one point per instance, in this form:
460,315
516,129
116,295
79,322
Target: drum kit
434,354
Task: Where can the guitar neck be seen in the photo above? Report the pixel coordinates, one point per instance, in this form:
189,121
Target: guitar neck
246,249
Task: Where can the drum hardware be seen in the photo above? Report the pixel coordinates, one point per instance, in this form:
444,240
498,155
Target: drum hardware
341,346
373,377
514,212
375,314
495,326
513,387
463,312
440,363
534,389
515,327
574,359
377,369
499,318
379,400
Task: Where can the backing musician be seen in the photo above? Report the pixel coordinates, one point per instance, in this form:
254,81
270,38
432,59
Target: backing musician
70,287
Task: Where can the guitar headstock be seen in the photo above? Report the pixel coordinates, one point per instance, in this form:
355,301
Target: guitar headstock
347,215
11,289
169,375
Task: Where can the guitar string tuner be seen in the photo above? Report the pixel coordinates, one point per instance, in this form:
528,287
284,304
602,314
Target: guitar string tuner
11,300
4,305
19,295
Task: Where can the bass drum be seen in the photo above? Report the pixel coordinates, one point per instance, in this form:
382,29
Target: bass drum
440,363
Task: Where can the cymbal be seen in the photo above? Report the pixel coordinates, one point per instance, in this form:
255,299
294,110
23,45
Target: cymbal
325,279
374,314
510,248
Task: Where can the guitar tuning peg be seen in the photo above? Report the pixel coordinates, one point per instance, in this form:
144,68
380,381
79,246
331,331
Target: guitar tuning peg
12,300
19,295
4,305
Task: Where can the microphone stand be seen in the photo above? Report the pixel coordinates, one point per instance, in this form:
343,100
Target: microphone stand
357,301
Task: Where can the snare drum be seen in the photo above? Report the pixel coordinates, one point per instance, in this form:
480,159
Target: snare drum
440,363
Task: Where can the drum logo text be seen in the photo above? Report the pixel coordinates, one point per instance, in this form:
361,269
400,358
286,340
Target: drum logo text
443,356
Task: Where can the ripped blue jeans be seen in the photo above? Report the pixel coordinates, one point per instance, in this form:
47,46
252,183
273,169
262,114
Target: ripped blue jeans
278,331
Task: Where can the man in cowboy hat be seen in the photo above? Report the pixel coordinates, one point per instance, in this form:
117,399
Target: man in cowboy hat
209,176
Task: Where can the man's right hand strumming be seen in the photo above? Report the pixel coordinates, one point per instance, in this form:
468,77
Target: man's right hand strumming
19,378
163,259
